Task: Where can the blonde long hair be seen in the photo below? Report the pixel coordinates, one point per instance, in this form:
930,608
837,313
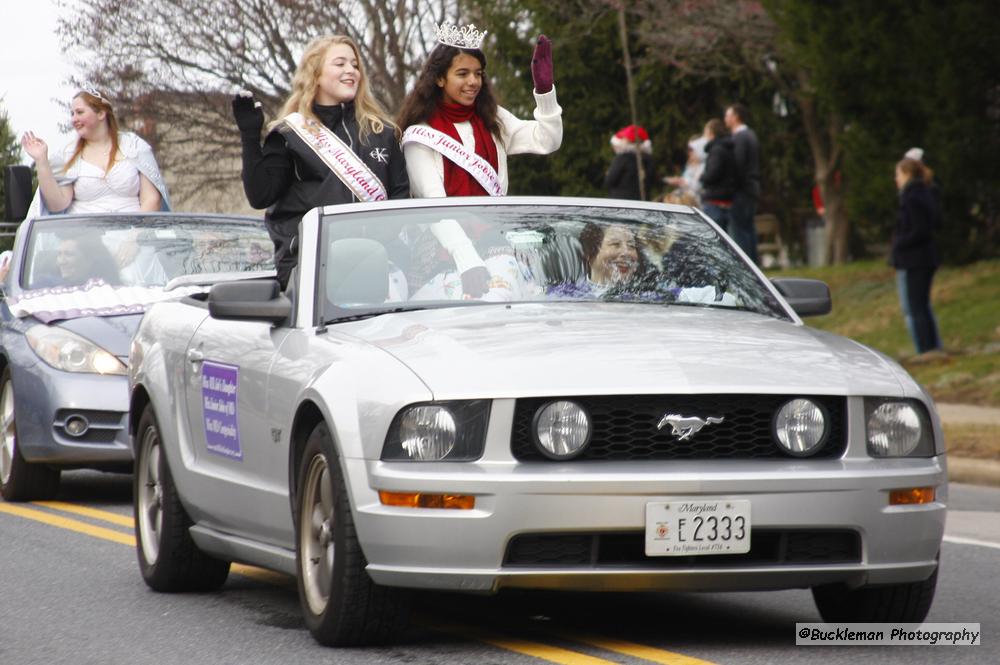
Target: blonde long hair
98,103
372,118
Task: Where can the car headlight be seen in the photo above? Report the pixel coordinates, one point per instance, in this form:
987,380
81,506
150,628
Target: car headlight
562,429
438,431
65,350
897,428
800,427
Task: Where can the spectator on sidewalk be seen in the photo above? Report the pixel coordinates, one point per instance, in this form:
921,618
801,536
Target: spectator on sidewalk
746,149
915,254
622,178
718,181
689,181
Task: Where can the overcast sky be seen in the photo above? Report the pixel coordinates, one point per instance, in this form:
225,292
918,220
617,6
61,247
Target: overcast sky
33,70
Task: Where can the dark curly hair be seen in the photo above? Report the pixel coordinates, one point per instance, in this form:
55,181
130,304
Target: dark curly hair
421,101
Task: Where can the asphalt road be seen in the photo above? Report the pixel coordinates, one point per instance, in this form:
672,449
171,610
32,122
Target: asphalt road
70,592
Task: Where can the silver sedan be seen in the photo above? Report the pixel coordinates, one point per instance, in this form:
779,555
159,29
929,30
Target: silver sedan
72,299
472,394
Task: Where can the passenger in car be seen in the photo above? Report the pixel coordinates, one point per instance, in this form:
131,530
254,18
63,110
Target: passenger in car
104,170
332,143
456,138
612,257
79,257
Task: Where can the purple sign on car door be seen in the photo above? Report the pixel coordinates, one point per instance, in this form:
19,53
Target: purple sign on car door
218,397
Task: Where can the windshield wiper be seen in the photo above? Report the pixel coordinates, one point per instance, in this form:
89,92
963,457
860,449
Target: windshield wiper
361,316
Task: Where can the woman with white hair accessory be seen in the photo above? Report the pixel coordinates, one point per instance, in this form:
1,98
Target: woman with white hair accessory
689,181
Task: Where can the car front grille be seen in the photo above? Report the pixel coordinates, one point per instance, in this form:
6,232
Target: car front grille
625,427
103,427
767,547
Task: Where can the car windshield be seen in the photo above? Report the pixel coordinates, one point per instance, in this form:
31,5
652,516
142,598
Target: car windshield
141,251
432,257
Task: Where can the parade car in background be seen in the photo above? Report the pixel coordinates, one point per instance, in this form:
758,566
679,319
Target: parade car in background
630,405
72,298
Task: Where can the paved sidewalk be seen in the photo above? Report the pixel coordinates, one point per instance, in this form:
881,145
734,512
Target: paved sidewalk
968,469
967,414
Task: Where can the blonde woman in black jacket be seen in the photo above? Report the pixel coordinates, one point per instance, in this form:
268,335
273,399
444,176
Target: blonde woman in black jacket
332,143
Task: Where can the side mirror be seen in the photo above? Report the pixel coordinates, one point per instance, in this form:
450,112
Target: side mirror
808,297
16,192
251,300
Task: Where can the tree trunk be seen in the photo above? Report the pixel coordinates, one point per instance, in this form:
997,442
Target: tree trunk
824,144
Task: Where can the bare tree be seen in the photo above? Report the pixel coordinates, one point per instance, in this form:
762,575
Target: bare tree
172,65
717,38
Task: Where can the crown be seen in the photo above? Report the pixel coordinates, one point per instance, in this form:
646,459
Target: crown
464,37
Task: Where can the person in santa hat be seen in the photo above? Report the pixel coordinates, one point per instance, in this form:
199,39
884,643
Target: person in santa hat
622,178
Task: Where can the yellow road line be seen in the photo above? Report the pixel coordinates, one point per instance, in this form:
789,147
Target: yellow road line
642,651
552,654
94,513
115,536
67,523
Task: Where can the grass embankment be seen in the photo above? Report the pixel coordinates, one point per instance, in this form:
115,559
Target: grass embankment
966,301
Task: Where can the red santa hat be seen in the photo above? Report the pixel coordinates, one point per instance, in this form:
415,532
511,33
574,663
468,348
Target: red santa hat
628,137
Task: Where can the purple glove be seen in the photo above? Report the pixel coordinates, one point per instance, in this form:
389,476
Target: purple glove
541,65
476,282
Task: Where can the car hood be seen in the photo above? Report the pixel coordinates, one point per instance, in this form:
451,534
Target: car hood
112,333
612,348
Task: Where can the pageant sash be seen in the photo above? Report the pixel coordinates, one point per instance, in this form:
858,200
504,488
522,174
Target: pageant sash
476,166
344,163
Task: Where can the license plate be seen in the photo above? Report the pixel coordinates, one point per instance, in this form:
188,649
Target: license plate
684,528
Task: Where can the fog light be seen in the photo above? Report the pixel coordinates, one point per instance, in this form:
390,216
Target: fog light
421,500
912,496
76,426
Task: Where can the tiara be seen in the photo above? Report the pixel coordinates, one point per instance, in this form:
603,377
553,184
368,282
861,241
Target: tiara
465,37
94,92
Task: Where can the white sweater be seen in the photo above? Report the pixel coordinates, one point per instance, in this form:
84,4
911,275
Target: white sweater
425,166
541,136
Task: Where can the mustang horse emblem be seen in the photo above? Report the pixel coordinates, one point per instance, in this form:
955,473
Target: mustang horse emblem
684,427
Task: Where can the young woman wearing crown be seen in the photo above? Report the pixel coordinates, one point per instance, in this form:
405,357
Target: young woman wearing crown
456,138
332,144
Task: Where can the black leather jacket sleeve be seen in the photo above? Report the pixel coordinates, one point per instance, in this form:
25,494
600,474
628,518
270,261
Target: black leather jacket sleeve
267,171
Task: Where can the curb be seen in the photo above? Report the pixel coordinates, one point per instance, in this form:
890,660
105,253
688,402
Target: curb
973,471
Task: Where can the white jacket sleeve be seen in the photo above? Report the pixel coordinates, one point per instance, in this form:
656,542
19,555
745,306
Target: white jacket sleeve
425,170
540,136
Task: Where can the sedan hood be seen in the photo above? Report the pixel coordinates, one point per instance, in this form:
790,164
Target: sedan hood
611,348
111,333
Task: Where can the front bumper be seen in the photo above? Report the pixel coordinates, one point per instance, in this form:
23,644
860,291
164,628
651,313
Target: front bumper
465,549
45,398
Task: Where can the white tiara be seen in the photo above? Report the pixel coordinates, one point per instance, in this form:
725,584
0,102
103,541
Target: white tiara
464,37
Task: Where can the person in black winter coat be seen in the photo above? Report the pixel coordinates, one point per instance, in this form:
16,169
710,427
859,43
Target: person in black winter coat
718,180
287,176
915,254
622,178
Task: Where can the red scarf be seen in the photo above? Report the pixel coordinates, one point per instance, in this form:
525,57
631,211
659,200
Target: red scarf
458,181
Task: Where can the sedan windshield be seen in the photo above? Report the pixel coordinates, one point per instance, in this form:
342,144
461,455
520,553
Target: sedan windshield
141,251
433,257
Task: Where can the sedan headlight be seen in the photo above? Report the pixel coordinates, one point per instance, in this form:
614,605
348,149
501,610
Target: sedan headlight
562,429
65,350
897,428
800,427
438,431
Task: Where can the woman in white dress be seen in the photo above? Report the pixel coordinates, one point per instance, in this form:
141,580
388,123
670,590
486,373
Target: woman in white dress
104,170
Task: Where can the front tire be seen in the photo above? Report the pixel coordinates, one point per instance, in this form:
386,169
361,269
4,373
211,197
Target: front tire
340,603
168,558
20,480
895,603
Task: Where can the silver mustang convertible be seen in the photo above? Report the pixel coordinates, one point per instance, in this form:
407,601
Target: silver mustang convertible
476,394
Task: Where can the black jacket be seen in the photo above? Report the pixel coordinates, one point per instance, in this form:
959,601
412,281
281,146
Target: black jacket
746,150
622,179
919,218
718,180
289,183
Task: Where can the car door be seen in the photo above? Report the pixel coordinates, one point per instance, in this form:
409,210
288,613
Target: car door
243,469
